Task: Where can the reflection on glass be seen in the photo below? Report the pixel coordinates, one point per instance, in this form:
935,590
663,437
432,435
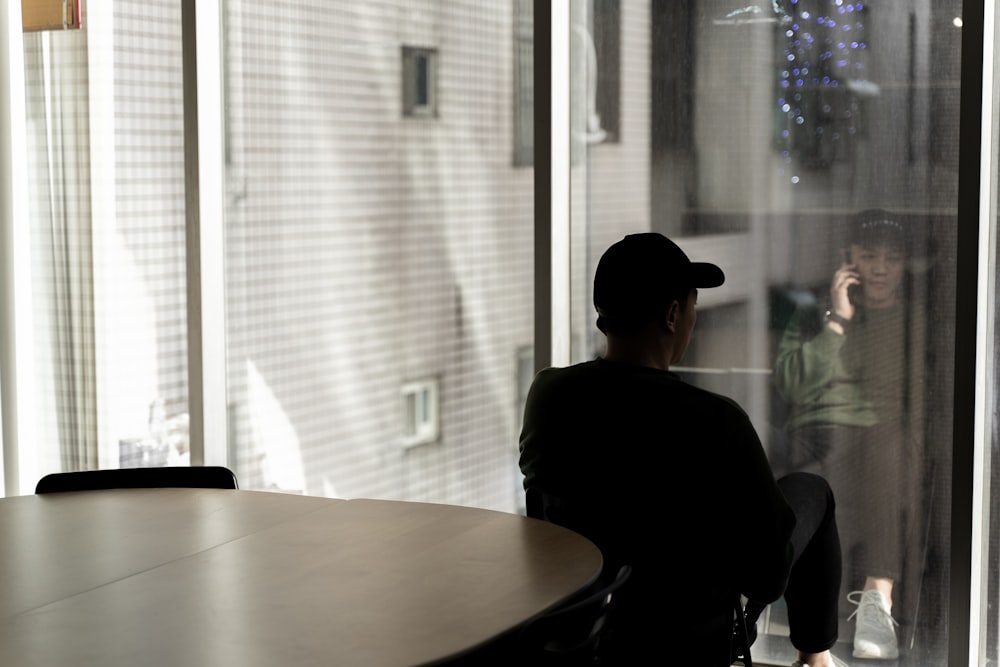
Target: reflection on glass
752,132
851,368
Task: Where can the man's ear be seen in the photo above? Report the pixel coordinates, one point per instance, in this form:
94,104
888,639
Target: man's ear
671,315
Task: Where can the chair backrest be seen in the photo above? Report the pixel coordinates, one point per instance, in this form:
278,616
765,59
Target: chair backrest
200,477
570,634
742,638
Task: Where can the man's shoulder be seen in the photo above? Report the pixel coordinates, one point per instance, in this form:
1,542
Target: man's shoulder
568,374
625,382
718,404
562,384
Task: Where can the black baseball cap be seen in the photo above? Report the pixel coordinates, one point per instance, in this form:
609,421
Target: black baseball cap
876,225
637,275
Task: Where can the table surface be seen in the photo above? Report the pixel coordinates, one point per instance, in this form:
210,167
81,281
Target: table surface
213,577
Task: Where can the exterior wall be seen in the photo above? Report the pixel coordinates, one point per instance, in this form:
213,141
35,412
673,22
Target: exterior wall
366,249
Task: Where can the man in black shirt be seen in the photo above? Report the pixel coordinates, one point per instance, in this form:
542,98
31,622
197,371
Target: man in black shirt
673,480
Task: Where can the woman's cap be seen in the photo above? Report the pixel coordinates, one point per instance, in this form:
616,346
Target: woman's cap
877,225
637,274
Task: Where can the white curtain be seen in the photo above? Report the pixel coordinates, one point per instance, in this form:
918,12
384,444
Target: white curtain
56,85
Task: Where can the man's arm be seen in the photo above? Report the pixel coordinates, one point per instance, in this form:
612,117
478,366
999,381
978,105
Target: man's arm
538,444
765,522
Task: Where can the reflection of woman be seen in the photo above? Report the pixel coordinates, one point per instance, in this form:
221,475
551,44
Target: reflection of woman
853,379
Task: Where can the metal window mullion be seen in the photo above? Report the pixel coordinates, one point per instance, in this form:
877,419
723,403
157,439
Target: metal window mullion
15,278
204,211
968,416
985,379
552,183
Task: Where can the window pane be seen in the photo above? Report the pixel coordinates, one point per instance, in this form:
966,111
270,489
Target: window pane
106,181
752,133
365,248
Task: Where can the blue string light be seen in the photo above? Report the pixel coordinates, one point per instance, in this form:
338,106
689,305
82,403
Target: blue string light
823,48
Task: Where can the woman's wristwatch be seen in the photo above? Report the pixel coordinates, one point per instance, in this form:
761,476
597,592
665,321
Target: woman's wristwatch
834,317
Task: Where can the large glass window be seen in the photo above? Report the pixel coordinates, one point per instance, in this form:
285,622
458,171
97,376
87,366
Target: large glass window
368,246
376,231
754,134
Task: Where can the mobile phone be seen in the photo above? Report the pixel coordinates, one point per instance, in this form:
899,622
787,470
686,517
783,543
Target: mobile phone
852,291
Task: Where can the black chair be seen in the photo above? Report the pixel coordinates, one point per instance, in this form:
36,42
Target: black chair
196,477
743,637
571,634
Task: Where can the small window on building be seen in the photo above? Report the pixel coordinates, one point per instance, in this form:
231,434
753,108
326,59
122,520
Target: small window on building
419,81
420,412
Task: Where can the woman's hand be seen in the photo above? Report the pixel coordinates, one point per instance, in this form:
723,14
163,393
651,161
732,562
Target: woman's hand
840,301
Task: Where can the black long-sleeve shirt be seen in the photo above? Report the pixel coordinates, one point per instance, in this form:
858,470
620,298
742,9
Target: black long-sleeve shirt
668,478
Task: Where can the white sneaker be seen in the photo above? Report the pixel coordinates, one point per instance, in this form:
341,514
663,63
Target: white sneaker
837,662
875,634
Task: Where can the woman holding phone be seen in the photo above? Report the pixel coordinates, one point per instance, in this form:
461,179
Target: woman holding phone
851,371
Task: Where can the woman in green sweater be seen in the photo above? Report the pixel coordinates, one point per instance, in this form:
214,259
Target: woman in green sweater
853,377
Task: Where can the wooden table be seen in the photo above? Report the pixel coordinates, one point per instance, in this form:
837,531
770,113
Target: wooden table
193,577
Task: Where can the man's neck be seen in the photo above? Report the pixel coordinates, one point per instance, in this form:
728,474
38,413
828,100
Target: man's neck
638,351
